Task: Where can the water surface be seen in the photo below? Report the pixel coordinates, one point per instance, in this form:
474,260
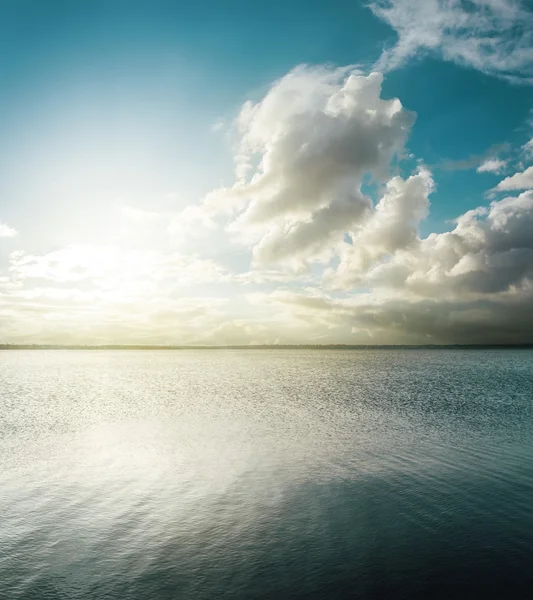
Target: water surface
266,474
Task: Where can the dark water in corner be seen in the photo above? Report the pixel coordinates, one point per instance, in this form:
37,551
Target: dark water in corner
266,474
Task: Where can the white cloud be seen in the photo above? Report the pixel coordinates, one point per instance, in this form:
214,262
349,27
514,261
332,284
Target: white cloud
101,294
306,155
473,284
492,165
518,181
218,126
306,148
112,268
492,36
305,152
190,221
237,332
6,231
262,276
527,149
490,251
392,226
52,315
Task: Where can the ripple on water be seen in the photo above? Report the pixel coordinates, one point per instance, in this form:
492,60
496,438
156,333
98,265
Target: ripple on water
266,474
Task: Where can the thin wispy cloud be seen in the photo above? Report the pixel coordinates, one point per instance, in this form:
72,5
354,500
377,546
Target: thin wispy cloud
475,161
492,165
492,36
527,149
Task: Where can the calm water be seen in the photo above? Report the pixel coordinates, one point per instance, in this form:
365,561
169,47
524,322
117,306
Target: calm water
266,474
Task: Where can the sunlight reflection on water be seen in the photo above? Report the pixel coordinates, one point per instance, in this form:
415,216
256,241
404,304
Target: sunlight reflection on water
257,474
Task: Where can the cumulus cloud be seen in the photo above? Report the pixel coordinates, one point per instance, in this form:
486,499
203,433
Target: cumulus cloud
492,36
490,251
492,165
306,155
470,285
6,231
518,181
303,153
391,227
318,163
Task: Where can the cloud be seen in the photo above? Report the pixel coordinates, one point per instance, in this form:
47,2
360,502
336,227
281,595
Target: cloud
527,149
306,155
303,154
489,321
331,225
392,226
490,251
111,268
470,285
518,181
492,36
191,220
474,161
374,319
492,165
263,276
6,231
52,315
87,294
237,332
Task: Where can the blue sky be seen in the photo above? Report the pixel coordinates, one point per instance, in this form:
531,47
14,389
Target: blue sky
113,107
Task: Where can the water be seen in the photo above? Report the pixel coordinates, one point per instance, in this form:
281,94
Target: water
266,474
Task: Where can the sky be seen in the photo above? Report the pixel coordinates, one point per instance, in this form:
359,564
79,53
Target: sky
219,173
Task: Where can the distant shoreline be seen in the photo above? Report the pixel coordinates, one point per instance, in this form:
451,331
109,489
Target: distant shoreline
272,347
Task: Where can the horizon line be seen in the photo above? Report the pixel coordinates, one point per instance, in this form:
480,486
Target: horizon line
13,346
